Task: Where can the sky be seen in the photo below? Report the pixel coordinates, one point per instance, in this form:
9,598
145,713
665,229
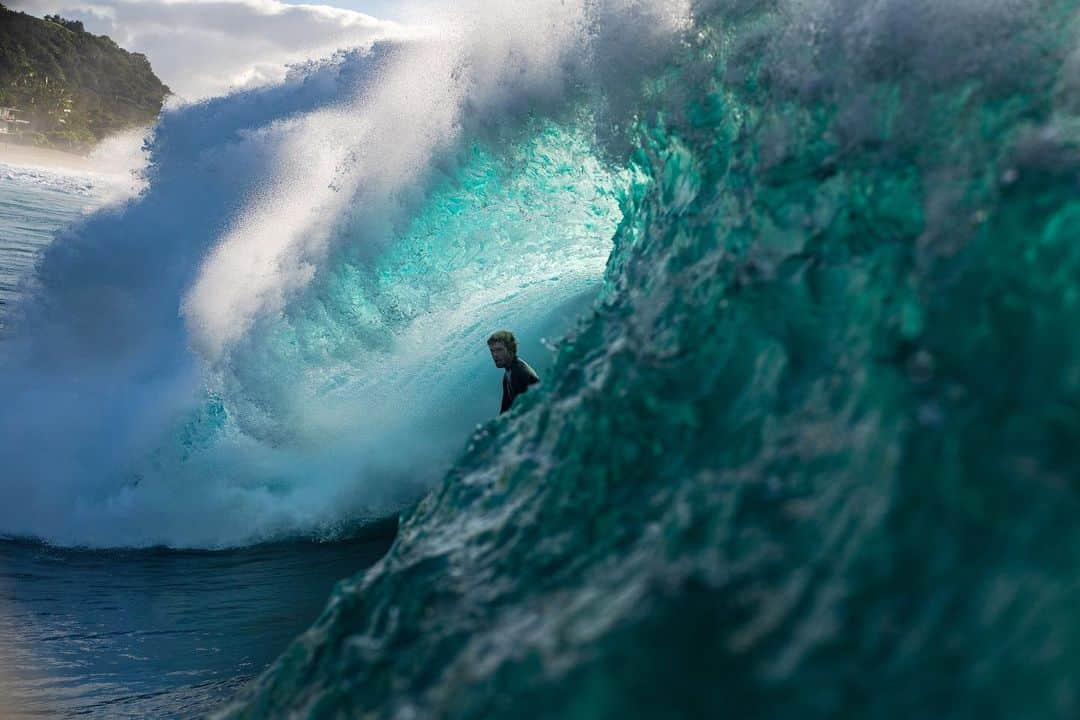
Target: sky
383,9
203,48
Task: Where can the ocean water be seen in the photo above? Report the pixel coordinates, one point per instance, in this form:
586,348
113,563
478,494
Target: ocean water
800,277
34,203
154,633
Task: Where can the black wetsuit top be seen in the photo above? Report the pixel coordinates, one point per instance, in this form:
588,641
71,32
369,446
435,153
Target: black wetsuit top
516,380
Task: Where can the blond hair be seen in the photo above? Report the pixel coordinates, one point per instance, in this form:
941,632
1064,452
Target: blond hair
506,338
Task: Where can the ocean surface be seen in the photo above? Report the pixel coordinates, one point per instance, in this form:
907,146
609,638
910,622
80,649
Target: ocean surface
34,204
154,633
800,278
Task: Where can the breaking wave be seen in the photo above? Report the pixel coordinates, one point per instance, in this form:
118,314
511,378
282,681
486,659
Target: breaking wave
283,333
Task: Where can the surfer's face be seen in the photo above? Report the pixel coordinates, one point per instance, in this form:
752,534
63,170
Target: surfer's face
499,354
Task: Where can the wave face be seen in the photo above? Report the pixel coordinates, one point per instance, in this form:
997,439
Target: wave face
814,454
284,333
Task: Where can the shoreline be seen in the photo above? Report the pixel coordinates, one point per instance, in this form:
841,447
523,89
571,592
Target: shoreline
47,158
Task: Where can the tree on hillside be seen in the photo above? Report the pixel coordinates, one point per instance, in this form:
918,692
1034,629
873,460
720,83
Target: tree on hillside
74,87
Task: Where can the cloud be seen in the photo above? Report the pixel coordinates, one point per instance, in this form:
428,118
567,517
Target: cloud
201,48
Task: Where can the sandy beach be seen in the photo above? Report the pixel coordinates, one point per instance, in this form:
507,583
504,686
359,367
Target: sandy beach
26,156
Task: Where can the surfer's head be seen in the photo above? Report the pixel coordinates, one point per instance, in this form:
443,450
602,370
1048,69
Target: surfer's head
503,347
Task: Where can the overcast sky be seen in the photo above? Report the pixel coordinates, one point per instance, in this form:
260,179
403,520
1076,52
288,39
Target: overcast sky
201,48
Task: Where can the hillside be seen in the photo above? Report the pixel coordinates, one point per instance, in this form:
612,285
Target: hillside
70,88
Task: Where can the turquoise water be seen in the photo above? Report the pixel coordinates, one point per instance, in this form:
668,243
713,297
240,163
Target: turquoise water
805,444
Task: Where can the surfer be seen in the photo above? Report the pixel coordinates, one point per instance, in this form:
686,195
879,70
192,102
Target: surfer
518,376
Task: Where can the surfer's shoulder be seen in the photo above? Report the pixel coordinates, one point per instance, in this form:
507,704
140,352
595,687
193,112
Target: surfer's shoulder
525,372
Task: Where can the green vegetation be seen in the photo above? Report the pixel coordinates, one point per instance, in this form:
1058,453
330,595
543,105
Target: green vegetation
73,88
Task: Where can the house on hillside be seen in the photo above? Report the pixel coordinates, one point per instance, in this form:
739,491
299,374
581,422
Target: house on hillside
10,121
